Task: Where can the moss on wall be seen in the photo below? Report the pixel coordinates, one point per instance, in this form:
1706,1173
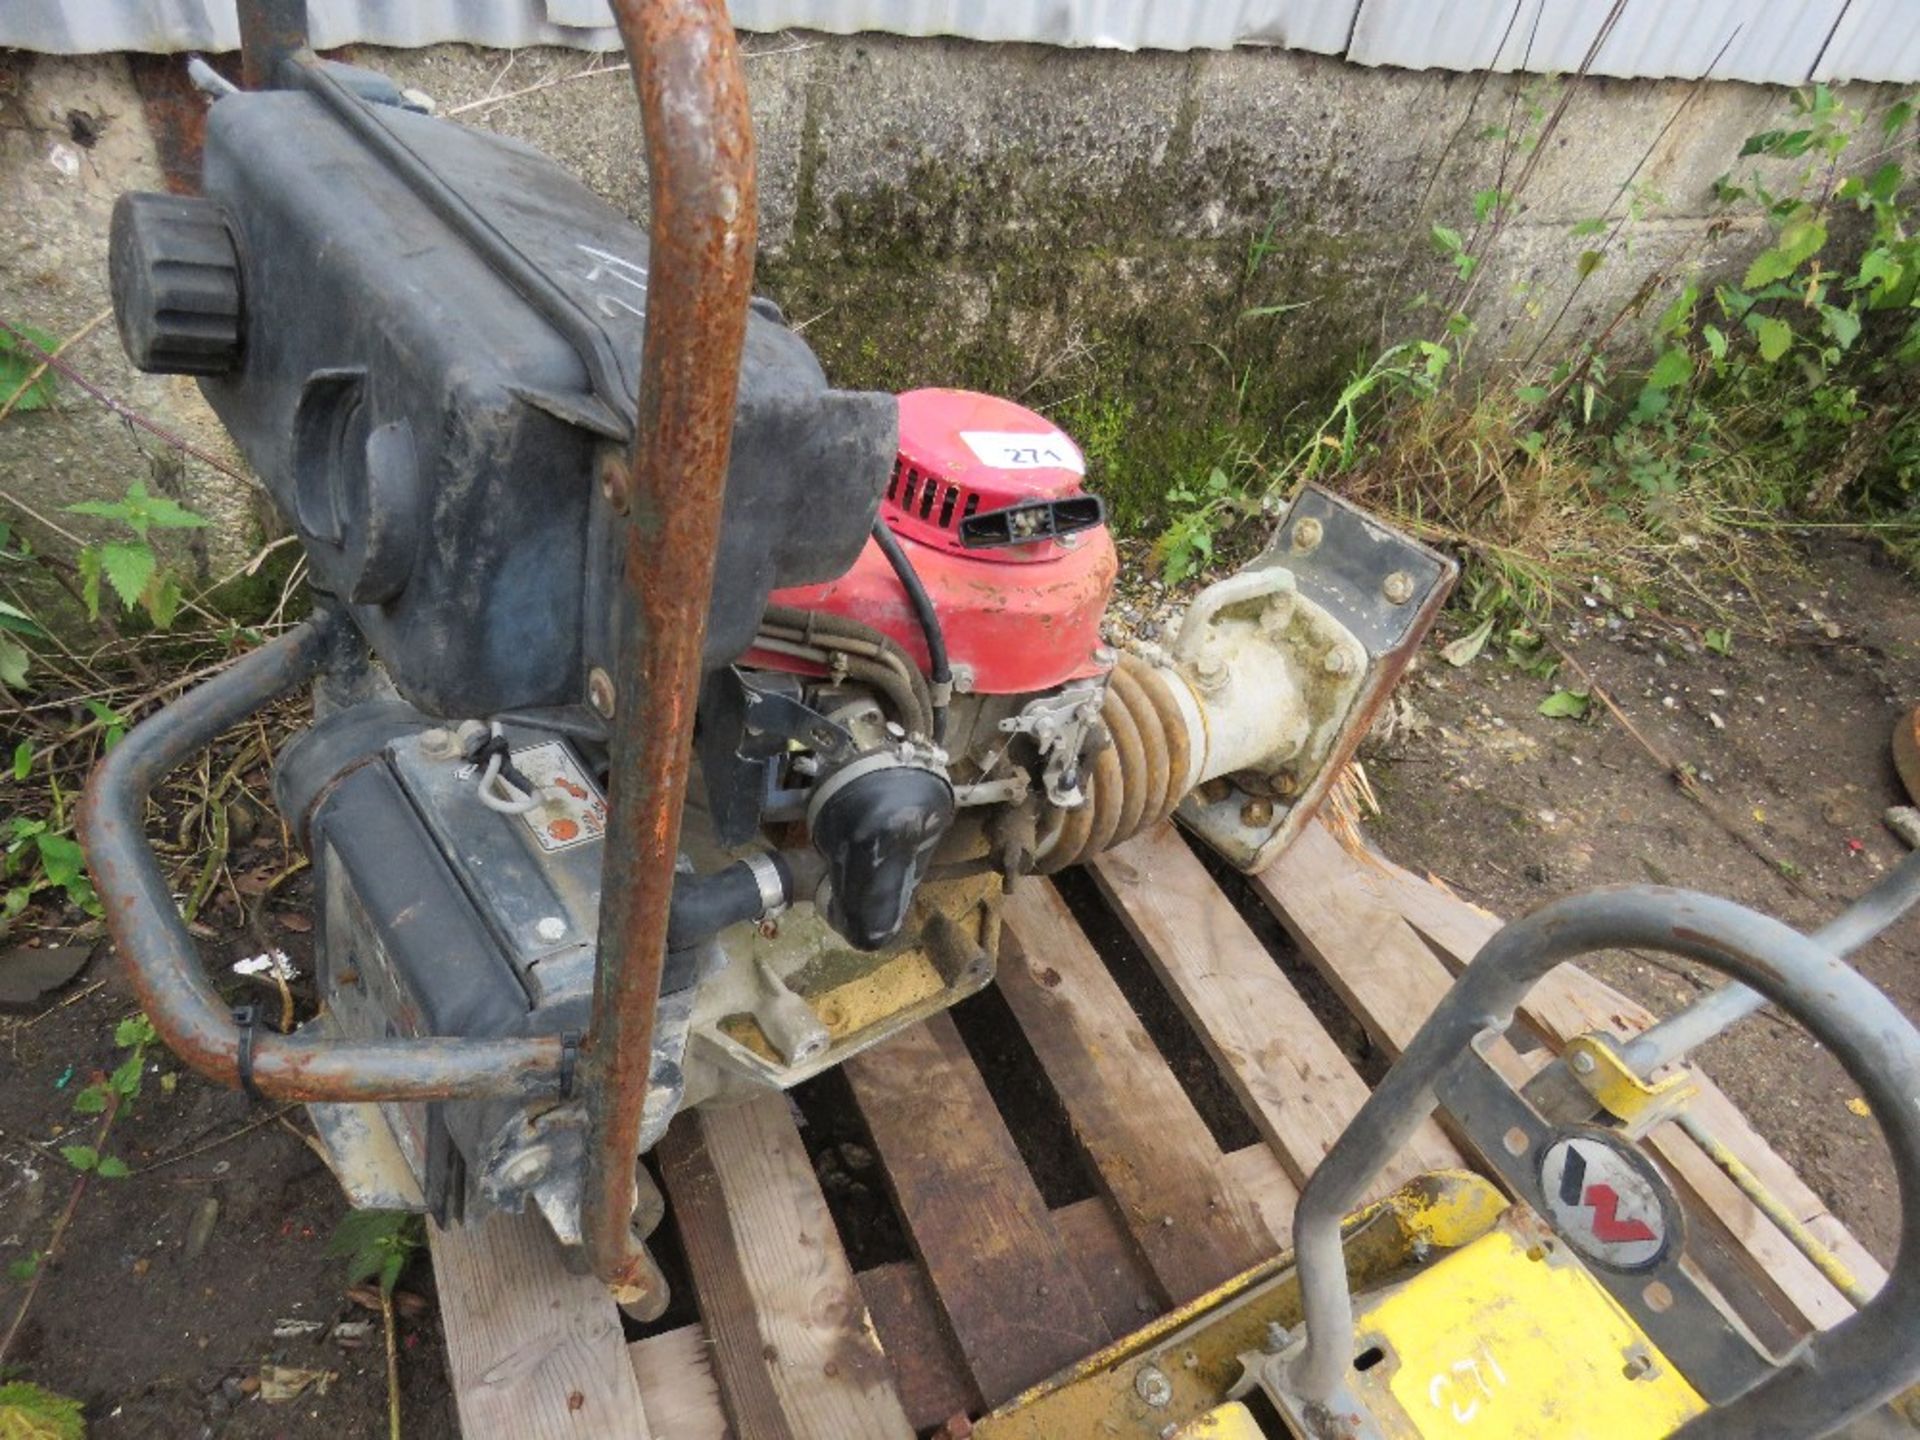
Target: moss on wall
1164,353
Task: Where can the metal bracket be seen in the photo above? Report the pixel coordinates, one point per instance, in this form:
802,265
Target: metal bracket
1379,589
1640,1105
1059,725
247,1017
1658,1289
772,716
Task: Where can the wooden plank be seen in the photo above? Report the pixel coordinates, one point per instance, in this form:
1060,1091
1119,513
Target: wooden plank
792,1343
1104,1255
533,1350
1354,937
1194,1225
933,1380
1569,1002
1017,1308
1271,1189
1341,909
675,1372
1297,1086
1455,926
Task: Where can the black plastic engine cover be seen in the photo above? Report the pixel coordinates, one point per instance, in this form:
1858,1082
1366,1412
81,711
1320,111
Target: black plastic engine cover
432,427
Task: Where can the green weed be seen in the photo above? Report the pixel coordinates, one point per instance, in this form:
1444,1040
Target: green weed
1784,394
28,1412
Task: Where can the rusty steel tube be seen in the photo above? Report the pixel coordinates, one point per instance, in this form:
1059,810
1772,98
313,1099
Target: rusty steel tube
164,964
700,170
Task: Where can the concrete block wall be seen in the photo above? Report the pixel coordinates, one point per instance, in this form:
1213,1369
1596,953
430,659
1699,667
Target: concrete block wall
1084,230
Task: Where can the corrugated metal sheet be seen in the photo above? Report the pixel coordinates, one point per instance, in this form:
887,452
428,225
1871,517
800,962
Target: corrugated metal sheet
76,27
86,26
1875,40
1777,41
1774,41
1319,25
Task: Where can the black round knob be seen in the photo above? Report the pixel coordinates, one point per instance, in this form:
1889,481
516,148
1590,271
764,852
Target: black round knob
176,284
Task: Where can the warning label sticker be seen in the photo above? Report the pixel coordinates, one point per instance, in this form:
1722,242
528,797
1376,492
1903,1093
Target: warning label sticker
572,811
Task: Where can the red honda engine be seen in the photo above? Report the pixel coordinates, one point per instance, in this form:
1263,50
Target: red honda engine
1048,747
943,718
986,500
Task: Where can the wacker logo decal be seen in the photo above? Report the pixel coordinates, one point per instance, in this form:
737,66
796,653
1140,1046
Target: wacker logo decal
1600,1198
1603,1203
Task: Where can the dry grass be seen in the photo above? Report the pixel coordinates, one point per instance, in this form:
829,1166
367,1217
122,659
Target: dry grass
1537,517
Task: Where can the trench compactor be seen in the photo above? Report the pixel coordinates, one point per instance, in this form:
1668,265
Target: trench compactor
679,721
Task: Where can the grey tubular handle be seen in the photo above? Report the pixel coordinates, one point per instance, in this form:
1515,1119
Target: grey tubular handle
1833,1377
1685,1030
164,964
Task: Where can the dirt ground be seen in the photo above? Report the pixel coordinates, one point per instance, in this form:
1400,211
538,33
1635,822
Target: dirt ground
163,1310
165,1328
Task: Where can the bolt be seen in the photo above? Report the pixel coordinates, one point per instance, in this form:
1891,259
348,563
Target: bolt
439,743
524,1167
1216,790
1278,613
1211,671
1338,662
614,480
1276,1340
551,927
1152,1386
769,929
1285,783
1257,813
1306,536
1398,587
600,692
1582,1062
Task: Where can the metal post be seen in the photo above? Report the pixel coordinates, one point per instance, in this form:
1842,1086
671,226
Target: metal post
270,32
700,169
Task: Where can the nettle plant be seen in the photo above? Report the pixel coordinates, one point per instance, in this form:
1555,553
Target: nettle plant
121,570
129,563
1244,486
1842,270
125,559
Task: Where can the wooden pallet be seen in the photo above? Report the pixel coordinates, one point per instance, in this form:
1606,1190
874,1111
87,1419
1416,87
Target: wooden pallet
1002,1291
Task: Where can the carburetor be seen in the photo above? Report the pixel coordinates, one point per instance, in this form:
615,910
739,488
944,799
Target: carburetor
425,340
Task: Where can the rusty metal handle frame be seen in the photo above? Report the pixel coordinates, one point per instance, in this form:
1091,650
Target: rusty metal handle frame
164,964
1834,1376
700,172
